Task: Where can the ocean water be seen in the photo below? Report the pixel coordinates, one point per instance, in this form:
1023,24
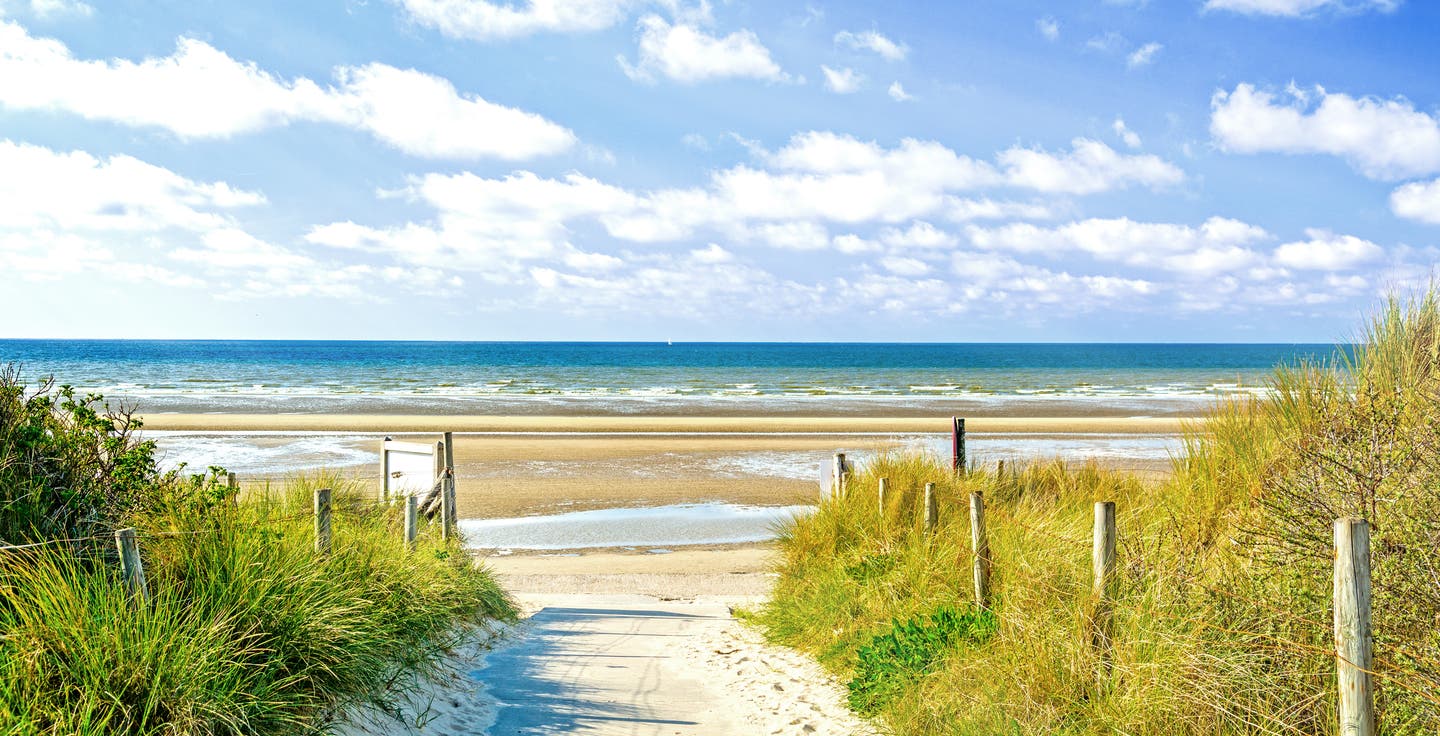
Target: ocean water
643,378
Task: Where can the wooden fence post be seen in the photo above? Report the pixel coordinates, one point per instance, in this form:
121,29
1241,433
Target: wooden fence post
838,475
1103,566
932,510
1354,643
412,513
447,491
132,570
880,496
957,444
980,543
233,484
384,471
322,521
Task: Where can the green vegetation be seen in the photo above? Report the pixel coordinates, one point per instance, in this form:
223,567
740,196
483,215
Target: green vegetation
249,630
1222,620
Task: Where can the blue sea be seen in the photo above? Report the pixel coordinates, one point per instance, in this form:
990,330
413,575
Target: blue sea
656,378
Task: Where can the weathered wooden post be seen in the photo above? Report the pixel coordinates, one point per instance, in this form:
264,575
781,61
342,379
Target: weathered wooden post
132,570
839,473
447,491
1102,561
980,543
412,514
384,470
322,521
1354,642
232,484
932,510
439,460
880,496
957,444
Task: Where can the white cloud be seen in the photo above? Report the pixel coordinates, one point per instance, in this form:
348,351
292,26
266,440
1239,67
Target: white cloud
1383,139
920,235
1326,251
45,189
55,9
1091,166
1295,8
1219,245
1048,27
687,54
120,217
1125,134
1144,55
841,81
873,41
483,20
966,210
897,93
201,92
903,266
1419,201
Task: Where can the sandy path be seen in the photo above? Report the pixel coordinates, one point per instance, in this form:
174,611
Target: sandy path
637,665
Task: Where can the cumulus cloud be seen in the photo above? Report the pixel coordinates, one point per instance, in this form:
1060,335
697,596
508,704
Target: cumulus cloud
873,41
897,93
1089,167
72,190
688,54
1219,245
1326,251
1295,8
1419,201
69,211
201,92
842,81
1383,139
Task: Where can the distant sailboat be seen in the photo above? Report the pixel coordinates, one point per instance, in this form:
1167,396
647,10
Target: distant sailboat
670,342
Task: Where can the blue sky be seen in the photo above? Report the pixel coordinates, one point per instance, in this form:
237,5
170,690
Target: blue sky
1093,170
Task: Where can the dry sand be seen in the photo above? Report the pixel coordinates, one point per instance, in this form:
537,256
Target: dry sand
621,664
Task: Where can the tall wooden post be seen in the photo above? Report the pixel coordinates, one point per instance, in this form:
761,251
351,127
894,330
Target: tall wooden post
322,521
839,473
384,470
957,443
232,484
132,570
932,510
1102,561
412,514
448,522
880,496
980,544
1354,642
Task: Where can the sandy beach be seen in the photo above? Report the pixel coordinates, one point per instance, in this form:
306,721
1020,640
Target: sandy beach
526,465
654,423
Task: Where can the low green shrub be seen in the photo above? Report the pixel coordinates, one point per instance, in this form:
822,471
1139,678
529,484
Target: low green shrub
908,650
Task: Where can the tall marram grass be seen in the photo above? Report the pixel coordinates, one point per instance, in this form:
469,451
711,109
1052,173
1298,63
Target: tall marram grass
1223,620
249,631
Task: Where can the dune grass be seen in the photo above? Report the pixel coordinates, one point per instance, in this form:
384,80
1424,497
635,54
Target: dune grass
1222,620
249,631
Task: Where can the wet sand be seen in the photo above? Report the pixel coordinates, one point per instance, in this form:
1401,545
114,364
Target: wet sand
652,424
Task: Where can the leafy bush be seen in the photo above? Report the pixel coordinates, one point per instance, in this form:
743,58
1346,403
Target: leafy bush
72,465
908,650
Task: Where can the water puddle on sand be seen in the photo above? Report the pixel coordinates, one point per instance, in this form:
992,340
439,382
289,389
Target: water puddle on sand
660,526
